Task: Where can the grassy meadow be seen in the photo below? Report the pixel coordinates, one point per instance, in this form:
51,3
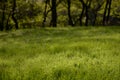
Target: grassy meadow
80,53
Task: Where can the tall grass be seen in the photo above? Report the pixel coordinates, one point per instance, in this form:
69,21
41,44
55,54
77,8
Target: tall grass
60,54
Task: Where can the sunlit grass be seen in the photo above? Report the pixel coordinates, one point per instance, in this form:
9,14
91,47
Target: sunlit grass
91,53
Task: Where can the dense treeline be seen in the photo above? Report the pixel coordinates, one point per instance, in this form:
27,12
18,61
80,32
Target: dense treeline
30,13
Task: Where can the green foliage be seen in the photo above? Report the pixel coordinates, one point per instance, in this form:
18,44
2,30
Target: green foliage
29,13
60,54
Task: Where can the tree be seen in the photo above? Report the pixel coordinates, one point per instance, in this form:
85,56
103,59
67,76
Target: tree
3,14
45,14
14,13
107,10
54,14
93,11
70,22
87,12
85,9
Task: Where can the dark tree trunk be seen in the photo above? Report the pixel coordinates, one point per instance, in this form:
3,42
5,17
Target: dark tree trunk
95,12
54,14
81,15
45,14
13,14
3,17
83,11
107,10
87,12
70,22
87,17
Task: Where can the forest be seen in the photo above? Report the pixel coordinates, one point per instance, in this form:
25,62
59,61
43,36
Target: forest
15,14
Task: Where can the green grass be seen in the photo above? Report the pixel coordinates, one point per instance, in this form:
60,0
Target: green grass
91,53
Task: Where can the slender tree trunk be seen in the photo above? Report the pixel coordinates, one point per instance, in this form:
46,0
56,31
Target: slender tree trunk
87,13
3,17
45,14
105,12
109,10
13,14
70,22
96,12
54,14
87,17
81,15
83,11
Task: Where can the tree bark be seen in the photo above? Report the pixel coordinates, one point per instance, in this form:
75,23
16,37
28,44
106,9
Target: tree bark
70,22
81,15
107,10
87,12
3,17
83,11
54,14
95,12
45,14
13,14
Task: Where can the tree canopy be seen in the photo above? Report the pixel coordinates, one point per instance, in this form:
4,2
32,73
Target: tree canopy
15,14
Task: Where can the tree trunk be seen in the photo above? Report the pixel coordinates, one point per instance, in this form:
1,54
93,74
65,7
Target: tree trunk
13,14
109,10
105,11
87,17
45,14
87,12
54,14
70,22
95,12
3,17
81,15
